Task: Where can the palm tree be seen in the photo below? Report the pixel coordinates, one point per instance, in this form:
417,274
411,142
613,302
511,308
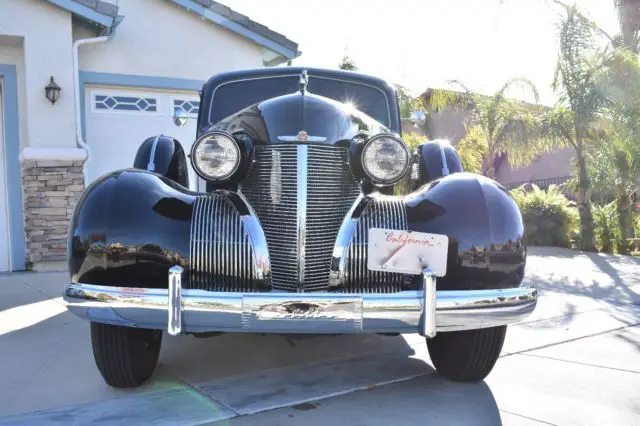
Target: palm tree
615,167
347,64
497,124
629,18
407,102
578,80
596,86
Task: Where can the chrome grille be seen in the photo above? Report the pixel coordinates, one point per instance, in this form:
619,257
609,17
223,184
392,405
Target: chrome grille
300,194
271,189
380,212
222,257
331,190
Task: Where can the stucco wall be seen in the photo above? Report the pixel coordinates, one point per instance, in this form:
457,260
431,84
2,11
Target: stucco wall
14,55
448,124
46,31
158,38
548,165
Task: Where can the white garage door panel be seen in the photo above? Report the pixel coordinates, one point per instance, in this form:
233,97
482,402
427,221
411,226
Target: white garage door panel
119,120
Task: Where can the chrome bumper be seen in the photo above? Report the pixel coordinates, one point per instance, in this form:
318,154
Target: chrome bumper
180,310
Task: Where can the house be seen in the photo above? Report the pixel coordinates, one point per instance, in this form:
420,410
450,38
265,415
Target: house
124,68
450,123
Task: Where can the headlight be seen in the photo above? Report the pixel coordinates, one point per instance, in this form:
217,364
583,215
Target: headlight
385,158
215,156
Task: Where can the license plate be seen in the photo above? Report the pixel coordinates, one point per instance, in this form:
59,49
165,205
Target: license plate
407,252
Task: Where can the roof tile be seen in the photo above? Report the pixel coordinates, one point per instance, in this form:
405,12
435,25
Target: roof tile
106,8
91,3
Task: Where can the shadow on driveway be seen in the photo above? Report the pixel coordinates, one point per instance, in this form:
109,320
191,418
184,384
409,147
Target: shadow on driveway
611,278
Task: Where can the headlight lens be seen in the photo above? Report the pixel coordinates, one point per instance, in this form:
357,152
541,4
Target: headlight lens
215,156
385,158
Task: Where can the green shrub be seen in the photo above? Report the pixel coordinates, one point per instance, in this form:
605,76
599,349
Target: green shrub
550,219
606,227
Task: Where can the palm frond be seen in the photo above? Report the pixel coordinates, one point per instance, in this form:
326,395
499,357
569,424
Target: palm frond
558,126
523,81
463,100
472,149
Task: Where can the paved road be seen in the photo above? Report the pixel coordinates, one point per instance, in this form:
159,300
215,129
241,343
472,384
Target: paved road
576,360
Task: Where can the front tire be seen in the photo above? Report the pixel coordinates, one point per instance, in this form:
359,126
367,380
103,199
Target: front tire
126,357
466,356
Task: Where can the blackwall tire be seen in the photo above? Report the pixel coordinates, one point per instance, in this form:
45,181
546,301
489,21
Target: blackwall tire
466,356
126,357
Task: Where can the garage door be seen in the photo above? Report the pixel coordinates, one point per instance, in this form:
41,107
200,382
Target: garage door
119,120
4,202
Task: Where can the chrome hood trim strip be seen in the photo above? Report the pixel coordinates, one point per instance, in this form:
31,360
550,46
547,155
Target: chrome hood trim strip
301,220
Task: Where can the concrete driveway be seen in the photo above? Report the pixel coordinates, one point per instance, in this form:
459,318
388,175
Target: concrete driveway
576,360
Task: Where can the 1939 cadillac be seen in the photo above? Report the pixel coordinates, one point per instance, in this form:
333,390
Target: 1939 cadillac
304,227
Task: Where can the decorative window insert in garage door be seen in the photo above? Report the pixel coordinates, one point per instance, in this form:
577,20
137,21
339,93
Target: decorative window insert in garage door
124,103
190,106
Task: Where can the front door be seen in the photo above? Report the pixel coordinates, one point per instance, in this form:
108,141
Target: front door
4,202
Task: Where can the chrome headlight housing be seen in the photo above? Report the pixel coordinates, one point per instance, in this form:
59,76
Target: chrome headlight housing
216,156
385,159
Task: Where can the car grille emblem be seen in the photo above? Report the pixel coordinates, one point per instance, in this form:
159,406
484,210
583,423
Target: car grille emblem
302,136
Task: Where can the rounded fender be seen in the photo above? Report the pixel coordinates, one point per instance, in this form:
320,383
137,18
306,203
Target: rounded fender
435,159
487,243
130,226
163,155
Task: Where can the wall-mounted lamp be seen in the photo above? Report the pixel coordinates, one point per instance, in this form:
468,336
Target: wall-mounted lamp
52,91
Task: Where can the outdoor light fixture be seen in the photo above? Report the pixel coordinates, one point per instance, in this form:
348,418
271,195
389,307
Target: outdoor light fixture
52,91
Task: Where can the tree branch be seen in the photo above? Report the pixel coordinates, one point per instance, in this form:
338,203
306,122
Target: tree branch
586,19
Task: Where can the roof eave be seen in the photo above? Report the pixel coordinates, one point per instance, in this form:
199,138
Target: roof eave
273,59
85,12
235,27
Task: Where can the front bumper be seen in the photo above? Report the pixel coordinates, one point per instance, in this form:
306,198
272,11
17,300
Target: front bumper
180,310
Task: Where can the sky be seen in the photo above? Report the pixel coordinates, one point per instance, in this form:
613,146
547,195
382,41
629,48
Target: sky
426,43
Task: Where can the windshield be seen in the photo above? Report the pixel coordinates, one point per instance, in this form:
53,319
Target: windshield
234,96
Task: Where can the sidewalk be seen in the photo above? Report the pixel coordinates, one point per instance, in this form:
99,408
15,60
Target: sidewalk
575,361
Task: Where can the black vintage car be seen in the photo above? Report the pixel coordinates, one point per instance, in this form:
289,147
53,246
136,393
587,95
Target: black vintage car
306,226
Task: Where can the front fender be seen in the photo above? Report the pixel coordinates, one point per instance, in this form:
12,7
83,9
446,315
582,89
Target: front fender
487,244
131,226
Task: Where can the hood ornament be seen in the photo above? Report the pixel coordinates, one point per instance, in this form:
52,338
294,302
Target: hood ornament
304,80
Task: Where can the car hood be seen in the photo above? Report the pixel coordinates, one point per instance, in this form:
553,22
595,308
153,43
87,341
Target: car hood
301,117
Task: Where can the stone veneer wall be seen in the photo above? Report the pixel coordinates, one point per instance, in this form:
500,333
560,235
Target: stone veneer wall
51,190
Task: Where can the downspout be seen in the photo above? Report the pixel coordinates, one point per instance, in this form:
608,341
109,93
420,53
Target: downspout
76,77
